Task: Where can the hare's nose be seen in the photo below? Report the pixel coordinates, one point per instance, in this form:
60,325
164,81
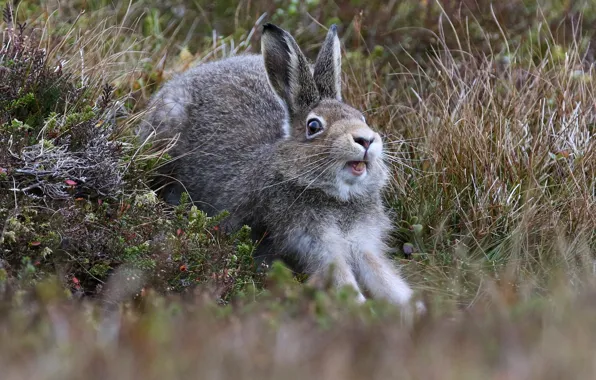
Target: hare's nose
365,142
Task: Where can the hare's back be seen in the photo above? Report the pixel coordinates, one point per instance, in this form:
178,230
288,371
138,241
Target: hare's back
226,117
230,101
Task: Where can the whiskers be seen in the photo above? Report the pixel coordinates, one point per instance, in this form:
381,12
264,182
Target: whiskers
406,160
405,154
301,158
400,163
309,168
329,165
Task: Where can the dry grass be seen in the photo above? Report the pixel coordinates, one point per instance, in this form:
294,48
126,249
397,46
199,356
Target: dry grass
503,163
489,115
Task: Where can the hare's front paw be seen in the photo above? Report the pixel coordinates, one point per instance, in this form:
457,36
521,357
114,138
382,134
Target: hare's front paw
360,298
337,274
420,308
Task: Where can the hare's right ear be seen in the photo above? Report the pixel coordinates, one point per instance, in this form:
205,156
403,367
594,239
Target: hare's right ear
287,69
327,73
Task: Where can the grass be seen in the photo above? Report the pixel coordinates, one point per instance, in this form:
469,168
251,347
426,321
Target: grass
488,113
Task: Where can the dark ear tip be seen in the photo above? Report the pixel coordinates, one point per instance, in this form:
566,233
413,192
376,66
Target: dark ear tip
272,28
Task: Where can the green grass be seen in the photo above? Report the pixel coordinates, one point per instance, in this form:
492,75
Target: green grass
488,113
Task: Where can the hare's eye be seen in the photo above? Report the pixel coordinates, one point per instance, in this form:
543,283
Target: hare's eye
313,127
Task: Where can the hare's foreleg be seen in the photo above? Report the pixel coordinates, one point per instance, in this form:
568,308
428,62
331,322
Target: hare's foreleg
338,272
378,276
324,258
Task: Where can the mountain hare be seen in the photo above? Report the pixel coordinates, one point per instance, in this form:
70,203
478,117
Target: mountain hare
268,138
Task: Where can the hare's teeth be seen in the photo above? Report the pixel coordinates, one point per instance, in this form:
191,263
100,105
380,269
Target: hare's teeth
358,167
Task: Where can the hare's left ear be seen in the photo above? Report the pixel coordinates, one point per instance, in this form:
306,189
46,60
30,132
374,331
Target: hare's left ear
327,72
288,70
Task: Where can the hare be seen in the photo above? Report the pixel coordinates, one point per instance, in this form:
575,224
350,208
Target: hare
268,138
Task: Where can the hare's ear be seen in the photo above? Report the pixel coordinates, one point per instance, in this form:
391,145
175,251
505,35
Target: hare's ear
287,69
327,74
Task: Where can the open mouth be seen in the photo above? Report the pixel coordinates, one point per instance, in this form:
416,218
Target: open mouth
357,167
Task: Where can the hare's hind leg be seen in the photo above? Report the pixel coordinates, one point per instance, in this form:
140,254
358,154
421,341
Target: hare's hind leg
171,193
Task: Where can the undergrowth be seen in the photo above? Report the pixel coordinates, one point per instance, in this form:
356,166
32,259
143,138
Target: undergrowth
73,198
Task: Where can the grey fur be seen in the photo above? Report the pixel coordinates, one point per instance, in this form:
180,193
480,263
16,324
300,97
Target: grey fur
234,154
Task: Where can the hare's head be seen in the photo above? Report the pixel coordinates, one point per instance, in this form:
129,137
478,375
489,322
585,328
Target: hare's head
329,143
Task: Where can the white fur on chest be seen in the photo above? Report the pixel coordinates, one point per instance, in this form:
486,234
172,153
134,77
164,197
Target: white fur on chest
370,234
364,237
367,235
